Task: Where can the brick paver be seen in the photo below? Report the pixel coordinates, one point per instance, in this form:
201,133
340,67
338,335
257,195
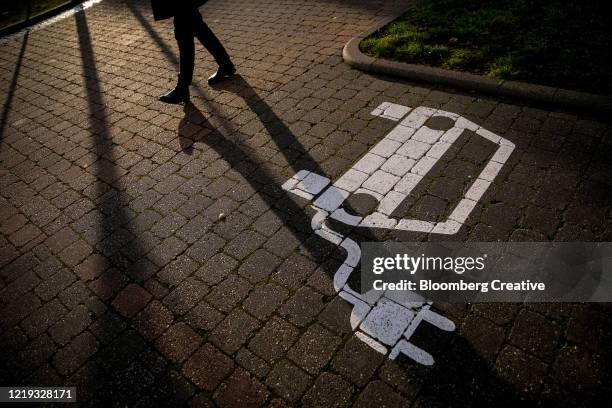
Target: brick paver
149,255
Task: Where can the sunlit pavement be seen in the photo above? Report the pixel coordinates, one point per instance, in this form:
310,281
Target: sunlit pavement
150,256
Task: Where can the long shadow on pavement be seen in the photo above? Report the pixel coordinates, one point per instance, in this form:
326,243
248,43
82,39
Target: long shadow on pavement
120,346
13,86
11,92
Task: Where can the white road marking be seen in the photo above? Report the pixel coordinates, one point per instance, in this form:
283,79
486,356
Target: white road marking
389,172
387,322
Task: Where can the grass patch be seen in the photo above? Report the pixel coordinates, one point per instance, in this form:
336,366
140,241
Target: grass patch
548,42
17,11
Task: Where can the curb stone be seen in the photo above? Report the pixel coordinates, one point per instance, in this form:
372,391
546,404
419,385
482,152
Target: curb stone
353,56
8,32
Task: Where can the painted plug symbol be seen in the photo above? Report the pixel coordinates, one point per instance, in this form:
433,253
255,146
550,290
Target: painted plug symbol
389,172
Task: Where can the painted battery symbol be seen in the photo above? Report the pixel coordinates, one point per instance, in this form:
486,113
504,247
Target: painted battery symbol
389,172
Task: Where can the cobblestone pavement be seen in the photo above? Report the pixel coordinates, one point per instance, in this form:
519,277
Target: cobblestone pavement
149,256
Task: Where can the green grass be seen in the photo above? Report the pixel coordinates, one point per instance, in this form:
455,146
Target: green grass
549,42
16,11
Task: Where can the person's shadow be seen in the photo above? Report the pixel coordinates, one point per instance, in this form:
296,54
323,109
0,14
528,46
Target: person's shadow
192,128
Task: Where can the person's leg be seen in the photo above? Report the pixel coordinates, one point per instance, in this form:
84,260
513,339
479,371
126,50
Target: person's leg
183,32
209,40
205,35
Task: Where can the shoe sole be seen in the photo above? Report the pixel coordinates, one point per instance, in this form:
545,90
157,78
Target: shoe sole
173,102
222,78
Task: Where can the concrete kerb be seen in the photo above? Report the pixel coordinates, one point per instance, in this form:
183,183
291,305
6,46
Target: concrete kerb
44,19
353,56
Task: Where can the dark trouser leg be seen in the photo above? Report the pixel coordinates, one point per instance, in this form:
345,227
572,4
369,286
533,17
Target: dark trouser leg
209,40
183,32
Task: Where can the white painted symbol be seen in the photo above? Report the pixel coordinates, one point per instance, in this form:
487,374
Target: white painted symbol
389,172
